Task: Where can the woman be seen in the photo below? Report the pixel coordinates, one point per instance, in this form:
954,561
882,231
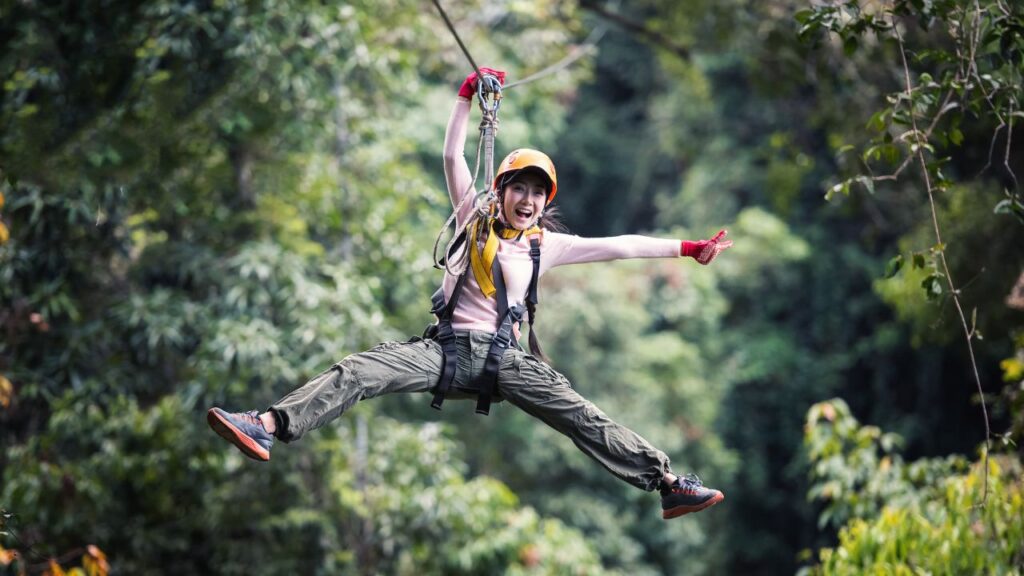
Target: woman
488,299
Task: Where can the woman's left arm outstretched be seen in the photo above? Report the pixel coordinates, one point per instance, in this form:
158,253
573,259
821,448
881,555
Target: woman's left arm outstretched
562,249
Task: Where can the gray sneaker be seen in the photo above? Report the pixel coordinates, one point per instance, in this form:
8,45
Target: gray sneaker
244,430
687,494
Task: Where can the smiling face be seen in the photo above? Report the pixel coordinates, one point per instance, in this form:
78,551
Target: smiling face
524,198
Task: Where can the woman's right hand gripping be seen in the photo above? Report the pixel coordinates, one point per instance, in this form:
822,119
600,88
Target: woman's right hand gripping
468,88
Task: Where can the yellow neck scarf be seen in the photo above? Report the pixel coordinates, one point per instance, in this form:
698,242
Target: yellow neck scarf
483,261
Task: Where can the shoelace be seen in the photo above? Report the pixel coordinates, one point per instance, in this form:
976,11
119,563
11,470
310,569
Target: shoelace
252,415
691,480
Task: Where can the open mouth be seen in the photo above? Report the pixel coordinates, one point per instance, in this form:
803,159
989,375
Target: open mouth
523,213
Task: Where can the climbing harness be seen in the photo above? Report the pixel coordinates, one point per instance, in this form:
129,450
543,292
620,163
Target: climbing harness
486,389
476,229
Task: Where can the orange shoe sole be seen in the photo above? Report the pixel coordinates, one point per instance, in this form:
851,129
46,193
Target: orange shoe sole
227,431
684,510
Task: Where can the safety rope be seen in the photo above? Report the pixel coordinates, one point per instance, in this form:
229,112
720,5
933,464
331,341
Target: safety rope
486,84
458,262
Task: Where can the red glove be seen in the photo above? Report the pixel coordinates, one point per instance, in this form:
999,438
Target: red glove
704,251
468,88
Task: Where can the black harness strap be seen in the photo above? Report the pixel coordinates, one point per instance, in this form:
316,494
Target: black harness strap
501,294
445,335
503,338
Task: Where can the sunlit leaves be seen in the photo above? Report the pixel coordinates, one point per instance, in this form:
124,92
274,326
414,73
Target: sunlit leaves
856,470
94,561
943,532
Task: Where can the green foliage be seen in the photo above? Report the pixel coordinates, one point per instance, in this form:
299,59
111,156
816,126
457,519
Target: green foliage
928,516
941,91
964,210
184,504
208,203
857,470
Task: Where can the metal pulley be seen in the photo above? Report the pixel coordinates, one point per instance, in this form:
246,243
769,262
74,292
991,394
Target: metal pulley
488,91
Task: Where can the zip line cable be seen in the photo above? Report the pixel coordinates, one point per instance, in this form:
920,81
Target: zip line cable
451,29
575,54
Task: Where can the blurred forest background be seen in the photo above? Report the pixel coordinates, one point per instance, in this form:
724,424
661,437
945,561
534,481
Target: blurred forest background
208,202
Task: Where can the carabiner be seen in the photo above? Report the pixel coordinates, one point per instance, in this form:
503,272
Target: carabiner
489,84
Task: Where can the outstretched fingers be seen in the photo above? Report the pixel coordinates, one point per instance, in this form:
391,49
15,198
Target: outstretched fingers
714,247
718,239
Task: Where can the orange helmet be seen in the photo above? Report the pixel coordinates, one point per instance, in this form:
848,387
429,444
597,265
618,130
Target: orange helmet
528,158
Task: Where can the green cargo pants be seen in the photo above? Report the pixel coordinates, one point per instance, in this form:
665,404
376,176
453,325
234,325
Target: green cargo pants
524,381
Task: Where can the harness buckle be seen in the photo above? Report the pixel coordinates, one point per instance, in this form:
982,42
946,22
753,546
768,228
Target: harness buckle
502,339
516,313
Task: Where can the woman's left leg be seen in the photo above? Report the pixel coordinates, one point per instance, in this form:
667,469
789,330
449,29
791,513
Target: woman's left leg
542,392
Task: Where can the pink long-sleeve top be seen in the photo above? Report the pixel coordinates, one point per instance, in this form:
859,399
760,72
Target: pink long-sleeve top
477,312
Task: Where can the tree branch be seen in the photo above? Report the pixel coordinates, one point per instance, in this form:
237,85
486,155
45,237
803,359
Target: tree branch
652,36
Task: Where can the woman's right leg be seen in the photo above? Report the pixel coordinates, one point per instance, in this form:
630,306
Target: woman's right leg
386,368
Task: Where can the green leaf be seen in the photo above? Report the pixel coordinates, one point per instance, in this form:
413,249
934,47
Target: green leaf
956,136
918,260
932,286
843,187
844,149
850,45
1010,206
26,111
894,265
877,121
159,77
